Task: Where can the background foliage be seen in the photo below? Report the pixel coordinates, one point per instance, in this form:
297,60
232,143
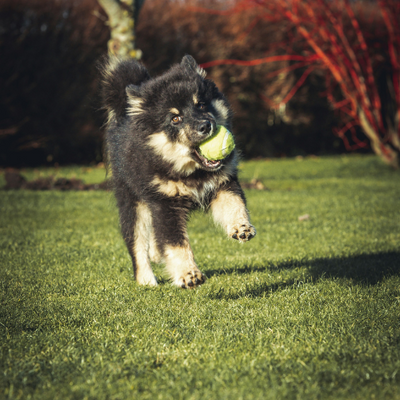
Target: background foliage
49,106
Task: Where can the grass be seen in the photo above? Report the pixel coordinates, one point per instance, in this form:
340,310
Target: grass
307,310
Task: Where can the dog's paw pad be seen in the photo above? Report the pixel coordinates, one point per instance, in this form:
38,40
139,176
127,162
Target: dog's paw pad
191,279
243,233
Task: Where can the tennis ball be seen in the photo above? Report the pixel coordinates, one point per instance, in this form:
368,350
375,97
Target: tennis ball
219,145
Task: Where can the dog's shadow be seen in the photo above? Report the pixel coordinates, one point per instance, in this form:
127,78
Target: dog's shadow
364,269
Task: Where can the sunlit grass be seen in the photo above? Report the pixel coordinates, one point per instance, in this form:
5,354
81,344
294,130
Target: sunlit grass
307,310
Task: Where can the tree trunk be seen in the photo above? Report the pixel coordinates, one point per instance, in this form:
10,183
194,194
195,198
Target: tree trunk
121,20
383,150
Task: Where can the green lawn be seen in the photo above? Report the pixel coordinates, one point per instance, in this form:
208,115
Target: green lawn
306,310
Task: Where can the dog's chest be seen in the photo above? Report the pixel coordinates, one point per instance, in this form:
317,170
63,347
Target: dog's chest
197,191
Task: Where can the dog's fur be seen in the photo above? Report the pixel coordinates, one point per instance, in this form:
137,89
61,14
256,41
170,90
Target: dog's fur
154,128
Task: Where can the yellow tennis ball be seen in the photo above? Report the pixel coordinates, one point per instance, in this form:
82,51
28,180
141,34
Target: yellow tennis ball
219,145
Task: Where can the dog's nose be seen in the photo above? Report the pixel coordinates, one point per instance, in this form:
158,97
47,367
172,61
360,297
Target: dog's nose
204,127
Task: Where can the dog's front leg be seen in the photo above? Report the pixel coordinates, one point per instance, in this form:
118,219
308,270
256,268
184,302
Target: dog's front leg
169,222
181,266
229,210
136,226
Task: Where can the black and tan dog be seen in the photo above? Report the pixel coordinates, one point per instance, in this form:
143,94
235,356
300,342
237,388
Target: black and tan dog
155,126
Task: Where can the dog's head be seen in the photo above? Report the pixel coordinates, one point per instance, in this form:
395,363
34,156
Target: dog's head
183,109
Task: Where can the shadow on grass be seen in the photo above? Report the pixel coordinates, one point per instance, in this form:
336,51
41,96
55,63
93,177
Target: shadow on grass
365,269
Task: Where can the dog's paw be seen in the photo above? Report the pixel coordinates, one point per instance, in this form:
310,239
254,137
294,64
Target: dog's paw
243,232
190,279
146,278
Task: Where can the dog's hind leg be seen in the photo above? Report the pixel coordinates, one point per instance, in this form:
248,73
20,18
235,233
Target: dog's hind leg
169,221
229,210
155,255
136,225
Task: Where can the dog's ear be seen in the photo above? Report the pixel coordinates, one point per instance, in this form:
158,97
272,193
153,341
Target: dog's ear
191,65
133,91
134,100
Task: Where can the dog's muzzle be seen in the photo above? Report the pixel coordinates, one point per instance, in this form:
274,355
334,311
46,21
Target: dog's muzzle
204,128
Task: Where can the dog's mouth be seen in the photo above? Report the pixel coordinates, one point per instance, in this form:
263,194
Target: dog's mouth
210,165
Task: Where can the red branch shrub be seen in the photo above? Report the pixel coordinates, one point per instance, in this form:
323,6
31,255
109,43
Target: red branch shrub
356,46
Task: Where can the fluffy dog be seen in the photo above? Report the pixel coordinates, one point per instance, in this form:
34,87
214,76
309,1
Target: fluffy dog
154,128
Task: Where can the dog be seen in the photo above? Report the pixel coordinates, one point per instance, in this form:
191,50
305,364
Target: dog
154,128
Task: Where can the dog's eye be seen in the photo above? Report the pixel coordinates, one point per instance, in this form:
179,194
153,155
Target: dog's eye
176,120
201,106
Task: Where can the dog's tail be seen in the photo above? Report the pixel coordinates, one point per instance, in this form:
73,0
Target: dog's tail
117,75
